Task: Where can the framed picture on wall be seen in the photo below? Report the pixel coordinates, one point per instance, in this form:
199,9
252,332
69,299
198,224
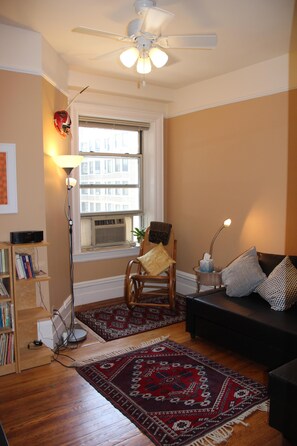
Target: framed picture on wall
8,179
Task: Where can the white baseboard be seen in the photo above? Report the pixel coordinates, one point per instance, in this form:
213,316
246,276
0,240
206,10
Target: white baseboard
98,290
185,283
50,331
112,287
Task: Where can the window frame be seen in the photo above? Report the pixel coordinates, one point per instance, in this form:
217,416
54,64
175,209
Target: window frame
115,186
153,172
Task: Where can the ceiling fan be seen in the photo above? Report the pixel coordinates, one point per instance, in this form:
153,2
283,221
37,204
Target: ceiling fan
145,34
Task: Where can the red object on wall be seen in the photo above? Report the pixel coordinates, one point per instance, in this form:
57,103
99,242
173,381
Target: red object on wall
62,122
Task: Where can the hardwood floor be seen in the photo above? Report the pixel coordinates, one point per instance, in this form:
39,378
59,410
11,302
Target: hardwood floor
54,406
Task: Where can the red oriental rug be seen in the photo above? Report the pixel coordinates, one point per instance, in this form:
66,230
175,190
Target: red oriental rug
117,321
175,395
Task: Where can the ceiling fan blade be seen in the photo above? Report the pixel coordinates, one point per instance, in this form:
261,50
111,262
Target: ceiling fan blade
109,54
199,41
99,33
155,20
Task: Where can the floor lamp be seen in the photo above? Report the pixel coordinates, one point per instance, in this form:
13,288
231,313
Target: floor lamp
69,162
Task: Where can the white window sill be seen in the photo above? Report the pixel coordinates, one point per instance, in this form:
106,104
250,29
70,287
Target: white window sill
106,253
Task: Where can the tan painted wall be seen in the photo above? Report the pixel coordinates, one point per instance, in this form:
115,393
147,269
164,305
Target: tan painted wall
291,232
220,162
21,124
228,161
55,197
27,121
291,223
100,269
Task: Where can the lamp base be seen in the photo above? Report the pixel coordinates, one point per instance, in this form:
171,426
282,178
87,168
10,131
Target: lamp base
77,335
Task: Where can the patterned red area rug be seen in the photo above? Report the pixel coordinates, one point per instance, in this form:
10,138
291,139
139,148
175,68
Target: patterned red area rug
174,395
117,321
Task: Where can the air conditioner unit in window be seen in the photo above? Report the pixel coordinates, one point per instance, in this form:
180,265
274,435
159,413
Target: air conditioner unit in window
109,231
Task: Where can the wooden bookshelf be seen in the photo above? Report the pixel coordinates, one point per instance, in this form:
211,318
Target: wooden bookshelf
27,313
8,363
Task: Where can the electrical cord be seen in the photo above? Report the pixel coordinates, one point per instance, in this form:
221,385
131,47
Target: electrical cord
61,363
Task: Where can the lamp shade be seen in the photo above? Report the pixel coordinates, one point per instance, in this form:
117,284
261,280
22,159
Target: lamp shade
158,57
129,57
227,223
68,162
70,182
144,65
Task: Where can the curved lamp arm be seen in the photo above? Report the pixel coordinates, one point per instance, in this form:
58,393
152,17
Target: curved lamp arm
226,224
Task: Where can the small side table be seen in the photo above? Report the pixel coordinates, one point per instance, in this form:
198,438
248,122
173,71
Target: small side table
213,279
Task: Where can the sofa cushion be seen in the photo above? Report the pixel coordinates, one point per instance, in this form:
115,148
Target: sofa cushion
156,260
280,287
243,275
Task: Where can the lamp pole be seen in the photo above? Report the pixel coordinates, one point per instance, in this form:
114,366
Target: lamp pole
68,162
76,333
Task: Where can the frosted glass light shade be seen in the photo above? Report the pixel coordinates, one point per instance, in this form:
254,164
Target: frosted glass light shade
129,57
144,65
68,162
158,57
227,222
70,182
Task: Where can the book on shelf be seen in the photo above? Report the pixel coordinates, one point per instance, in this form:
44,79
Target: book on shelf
12,316
24,266
19,267
6,348
6,315
3,261
3,289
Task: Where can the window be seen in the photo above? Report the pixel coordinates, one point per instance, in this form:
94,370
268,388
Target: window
111,180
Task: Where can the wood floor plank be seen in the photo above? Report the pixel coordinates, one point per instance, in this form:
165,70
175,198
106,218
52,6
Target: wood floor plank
53,405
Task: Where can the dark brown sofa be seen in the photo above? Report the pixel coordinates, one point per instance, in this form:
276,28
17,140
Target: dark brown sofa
246,324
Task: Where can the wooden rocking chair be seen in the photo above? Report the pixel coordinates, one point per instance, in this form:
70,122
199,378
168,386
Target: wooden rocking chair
153,273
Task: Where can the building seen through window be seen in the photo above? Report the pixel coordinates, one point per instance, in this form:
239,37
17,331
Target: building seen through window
111,184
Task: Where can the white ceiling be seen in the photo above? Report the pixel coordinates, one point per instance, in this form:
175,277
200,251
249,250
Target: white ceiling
249,31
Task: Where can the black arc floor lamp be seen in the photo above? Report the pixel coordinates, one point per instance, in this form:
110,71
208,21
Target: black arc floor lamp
69,162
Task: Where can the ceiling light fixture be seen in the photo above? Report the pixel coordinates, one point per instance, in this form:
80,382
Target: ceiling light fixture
144,65
158,57
145,56
129,57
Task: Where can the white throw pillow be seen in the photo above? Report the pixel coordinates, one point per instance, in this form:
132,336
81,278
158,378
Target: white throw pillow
243,275
280,287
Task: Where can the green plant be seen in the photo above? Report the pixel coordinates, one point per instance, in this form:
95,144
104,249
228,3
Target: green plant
139,233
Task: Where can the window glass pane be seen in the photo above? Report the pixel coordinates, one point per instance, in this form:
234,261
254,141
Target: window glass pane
110,181
113,170
109,200
108,140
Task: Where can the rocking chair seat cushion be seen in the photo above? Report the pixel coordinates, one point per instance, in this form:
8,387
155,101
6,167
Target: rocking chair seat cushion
156,261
